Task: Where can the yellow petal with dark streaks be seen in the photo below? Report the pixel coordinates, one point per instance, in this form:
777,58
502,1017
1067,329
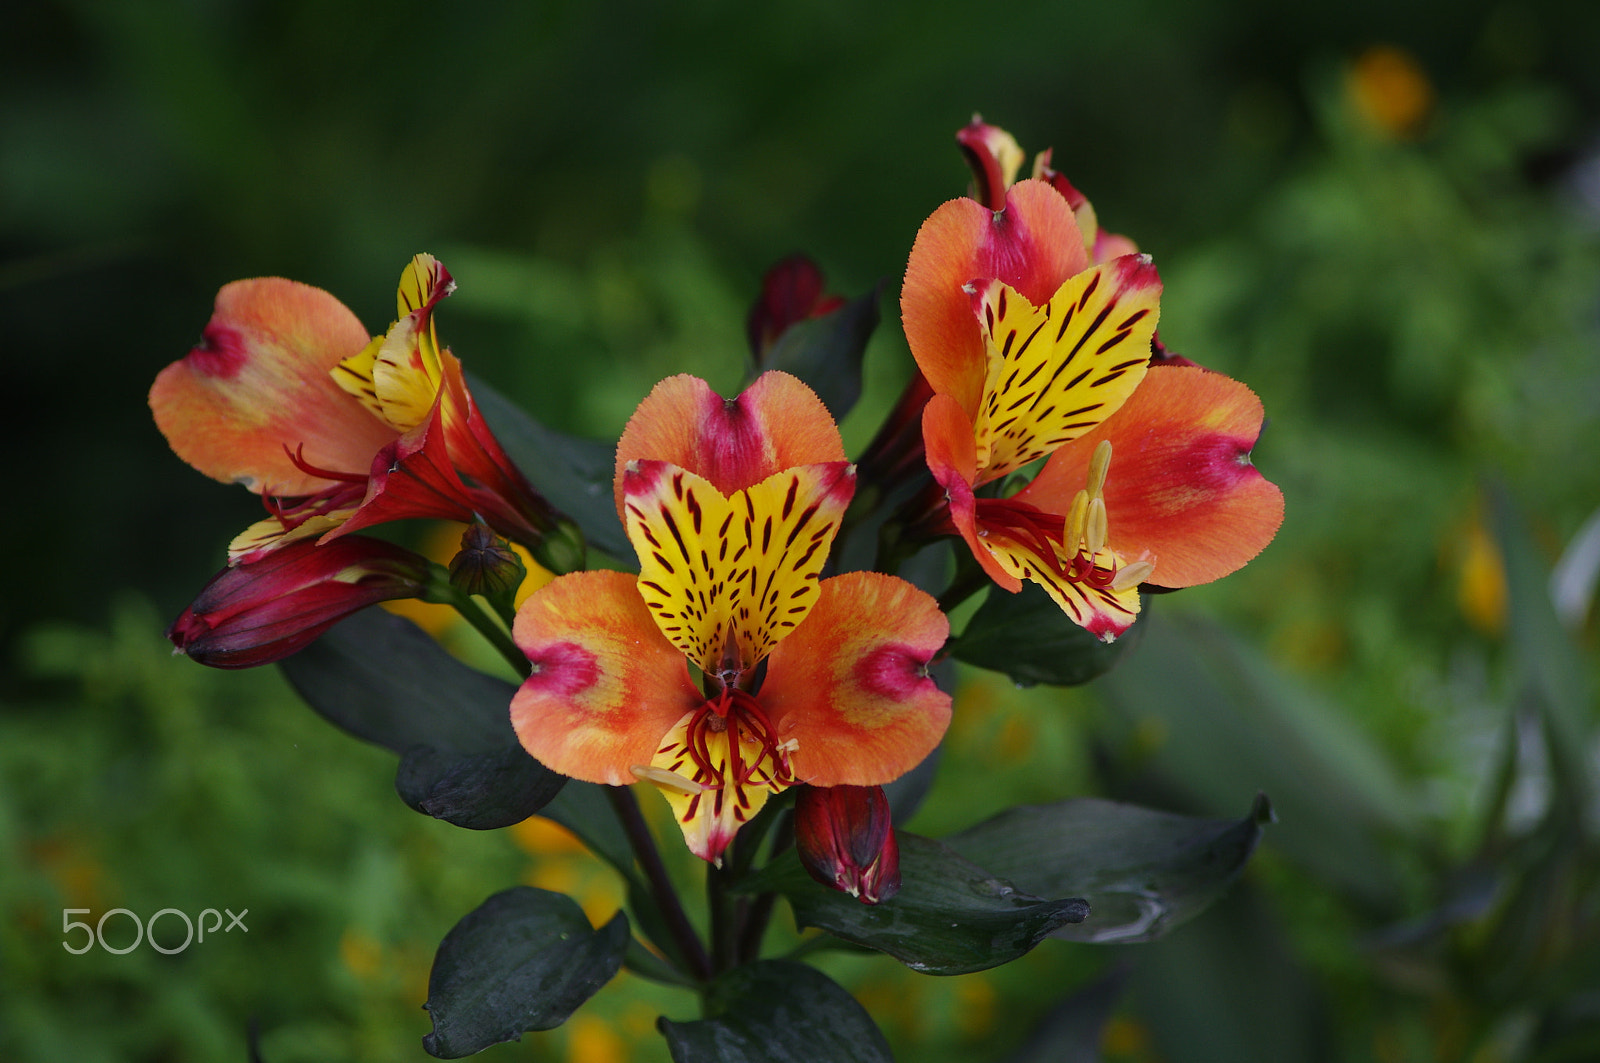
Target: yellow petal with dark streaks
397,376
1056,371
1102,611
727,577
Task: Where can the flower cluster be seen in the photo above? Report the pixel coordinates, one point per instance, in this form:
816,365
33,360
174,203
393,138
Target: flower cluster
1047,431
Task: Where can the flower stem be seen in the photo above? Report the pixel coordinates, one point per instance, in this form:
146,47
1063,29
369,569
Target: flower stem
646,964
626,807
440,590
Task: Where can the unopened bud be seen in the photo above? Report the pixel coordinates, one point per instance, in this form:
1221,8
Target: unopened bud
262,611
487,565
846,840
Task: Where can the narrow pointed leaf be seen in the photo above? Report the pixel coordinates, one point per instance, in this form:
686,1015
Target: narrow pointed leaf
1026,636
523,960
777,1011
382,679
826,351
574,475
1143,872
950,916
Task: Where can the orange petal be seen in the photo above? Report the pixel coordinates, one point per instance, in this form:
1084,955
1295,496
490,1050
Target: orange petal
605,685
713,568
947,441
1181,490
851,685
258,382
1033,245
1058,369
777,423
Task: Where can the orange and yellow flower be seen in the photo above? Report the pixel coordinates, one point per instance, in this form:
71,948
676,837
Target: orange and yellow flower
1035,346
287,395
727,670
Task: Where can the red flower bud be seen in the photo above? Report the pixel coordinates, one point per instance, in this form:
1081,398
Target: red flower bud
263,611
845,840
791,292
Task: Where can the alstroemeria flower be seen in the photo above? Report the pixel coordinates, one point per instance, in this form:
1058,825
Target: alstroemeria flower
1028,347
726,670
287,395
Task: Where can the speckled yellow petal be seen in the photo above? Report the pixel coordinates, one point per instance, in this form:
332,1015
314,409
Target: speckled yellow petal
397,376
1057,370
1103,611
726,578
715,794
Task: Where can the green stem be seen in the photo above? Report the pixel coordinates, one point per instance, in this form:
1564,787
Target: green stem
440,590
646,964
666,900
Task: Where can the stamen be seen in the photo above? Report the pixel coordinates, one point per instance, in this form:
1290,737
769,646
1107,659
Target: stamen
1095,533
1099,463
671,780
1132,574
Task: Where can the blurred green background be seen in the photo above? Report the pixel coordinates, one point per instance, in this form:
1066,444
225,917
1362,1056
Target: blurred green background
1383,216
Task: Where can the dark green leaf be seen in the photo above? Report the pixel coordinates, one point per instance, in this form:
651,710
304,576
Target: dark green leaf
826,351
479,791
1143,872
1027,637
776,1011
1233,724
573,474
382,679
950,916
524,959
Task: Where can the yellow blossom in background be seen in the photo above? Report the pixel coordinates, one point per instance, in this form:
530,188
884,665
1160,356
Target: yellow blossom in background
1390,91
561,864
1481,590
592,1040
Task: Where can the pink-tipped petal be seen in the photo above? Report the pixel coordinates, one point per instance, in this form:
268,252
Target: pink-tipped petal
258,383
1033,245
851,685
605,685
1181,489
775,424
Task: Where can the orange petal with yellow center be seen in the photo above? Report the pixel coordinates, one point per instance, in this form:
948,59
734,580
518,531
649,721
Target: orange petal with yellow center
726,578
1033,245
605,685
850,686
258,382
1181,489
776,423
